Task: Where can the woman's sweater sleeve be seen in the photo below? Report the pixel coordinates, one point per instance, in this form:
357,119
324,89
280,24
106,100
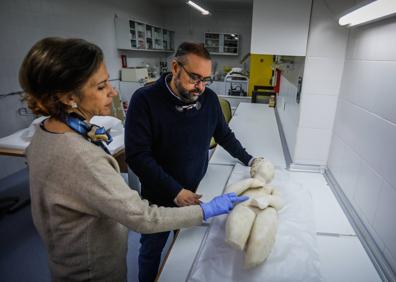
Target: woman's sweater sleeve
103,190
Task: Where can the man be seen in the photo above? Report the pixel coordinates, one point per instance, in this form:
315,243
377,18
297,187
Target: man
167,135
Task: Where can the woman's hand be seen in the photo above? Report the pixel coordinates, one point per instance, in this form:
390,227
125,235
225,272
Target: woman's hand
187,198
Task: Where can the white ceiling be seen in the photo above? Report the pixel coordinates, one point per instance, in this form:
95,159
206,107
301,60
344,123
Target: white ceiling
218,4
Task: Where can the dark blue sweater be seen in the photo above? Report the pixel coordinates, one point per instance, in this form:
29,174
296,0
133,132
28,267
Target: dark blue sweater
168,149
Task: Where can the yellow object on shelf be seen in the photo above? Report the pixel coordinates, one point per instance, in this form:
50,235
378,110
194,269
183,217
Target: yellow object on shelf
260,71
226,69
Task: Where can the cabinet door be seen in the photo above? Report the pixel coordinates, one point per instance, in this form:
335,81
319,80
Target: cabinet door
141,35
158,37
222,43
133,33
149,37
212,42
272,34
231,42
171,40
123,33
165,40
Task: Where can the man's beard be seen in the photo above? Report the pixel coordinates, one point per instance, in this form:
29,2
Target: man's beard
185,95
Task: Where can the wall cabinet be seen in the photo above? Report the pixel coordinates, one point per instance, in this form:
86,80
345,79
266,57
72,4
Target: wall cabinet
222,43
136,35
284,32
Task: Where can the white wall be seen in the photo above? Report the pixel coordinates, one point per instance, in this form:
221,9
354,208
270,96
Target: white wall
288,111
363,149
321,82
280,27
287,107
190,25
24,22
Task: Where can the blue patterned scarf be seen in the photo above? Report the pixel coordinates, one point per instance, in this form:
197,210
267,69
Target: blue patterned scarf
94,133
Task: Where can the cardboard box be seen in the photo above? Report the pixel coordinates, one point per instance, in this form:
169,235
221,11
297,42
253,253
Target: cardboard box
134,74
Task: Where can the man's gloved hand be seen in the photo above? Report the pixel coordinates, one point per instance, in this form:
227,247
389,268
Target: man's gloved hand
221,204
262,169
255,161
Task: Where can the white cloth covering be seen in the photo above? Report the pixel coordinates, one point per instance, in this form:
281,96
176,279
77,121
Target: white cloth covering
21,139
294,256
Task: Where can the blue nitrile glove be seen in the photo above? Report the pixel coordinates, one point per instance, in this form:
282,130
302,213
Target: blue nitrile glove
221,204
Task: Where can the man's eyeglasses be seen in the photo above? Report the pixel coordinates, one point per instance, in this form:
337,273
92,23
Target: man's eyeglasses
195,78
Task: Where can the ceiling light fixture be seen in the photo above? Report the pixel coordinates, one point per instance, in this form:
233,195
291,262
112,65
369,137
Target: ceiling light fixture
199,8
374,11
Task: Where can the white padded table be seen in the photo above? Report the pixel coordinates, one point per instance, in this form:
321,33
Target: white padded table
255,127
329,217
16,143
182,255
342,255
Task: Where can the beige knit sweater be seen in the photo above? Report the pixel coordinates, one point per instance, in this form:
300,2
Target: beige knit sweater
82,208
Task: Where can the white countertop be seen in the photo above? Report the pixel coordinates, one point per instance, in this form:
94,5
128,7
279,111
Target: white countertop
341,254
255,127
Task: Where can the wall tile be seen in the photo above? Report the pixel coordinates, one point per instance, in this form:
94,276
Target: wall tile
326,38
322,75
345,121
350,169
367,191
385,216
371,84
359,83
390,257
312,146
370,142
386,149
336,153
384,104
368,225
318,111
373,41
344,163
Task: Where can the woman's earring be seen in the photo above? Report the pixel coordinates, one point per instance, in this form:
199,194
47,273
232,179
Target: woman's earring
74,105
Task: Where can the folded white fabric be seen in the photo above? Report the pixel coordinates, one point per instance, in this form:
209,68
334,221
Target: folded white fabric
28,133
108,122
260,202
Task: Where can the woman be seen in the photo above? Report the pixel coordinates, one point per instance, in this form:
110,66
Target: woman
81,205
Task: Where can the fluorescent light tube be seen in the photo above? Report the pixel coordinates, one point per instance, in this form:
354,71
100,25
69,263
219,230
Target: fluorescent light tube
199,8
370,12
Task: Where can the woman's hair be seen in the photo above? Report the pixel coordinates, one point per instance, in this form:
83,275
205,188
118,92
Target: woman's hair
187,48
55,67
